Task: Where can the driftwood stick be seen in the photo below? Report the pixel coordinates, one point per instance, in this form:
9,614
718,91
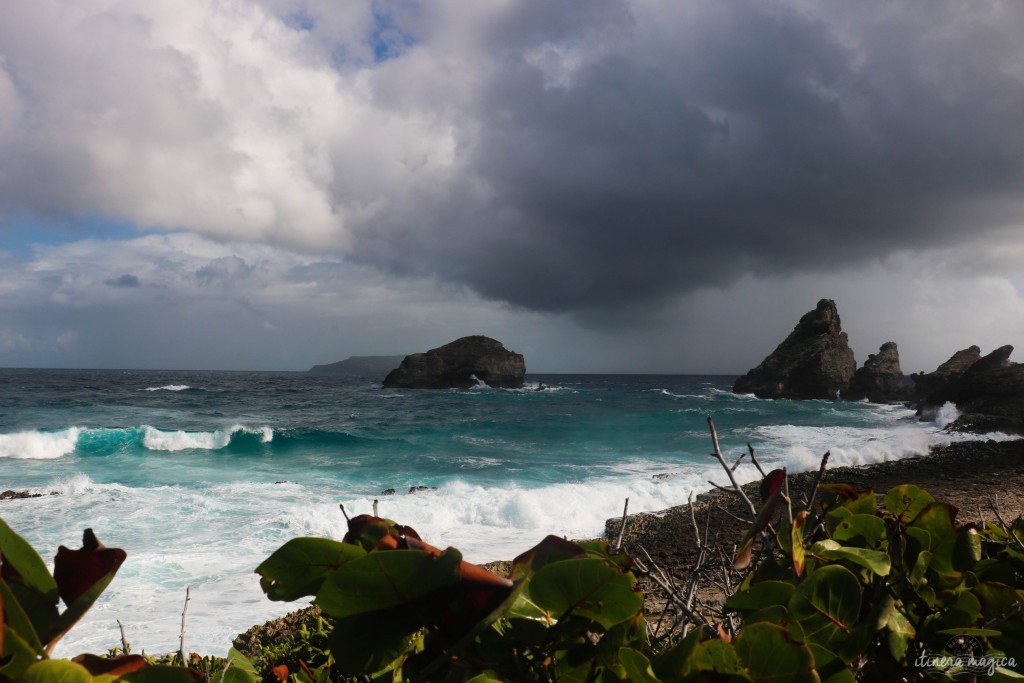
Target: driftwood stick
817,480
725,466
124,641
622,527
227,666
693,520
789,501
753,459
184,611
738,461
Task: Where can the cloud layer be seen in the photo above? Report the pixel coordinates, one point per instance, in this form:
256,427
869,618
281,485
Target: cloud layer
588,156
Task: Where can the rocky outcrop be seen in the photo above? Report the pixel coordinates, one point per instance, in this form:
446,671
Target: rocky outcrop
989,395
814,361
359,366
460,365
927,384
880,379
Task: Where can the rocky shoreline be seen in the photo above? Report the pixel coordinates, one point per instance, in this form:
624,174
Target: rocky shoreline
967,474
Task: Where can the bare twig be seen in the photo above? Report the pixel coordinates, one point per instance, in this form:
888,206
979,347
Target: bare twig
124,641
721,459
1002,523
738,461
753,459
785,496
184,611
693,519
622,527
817,480
227,666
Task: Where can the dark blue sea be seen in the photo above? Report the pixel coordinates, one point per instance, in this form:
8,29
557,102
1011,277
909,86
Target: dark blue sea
201,475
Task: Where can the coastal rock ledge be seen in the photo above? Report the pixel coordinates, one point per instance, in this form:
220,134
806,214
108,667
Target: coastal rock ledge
460,364
814,361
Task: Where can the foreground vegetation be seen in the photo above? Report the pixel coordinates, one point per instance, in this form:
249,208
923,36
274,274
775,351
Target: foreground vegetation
834,588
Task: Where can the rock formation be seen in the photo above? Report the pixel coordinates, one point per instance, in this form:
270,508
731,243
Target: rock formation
989,395
458,365
880,379
359,366
928,384
814,361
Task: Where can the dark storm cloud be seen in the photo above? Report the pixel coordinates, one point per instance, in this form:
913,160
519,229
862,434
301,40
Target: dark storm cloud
681,145
126,281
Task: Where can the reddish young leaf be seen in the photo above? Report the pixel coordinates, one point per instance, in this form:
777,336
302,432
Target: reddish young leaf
76,571
113,666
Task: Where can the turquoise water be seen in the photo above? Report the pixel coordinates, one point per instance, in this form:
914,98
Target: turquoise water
200,475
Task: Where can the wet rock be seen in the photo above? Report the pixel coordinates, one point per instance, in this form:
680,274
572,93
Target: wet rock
814,361
880,379
926,384
460,364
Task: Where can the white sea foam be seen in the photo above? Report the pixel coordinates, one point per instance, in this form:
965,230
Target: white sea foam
36,445
169,387
158,440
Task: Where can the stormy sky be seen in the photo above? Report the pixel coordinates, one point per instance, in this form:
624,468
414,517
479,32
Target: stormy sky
603,185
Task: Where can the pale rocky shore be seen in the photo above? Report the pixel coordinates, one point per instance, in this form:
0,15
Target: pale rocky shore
967,474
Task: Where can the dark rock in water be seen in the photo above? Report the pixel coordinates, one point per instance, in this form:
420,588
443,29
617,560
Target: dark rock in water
814,361
387,492
459,365
417,489
12,495
880,379
989,395
952,369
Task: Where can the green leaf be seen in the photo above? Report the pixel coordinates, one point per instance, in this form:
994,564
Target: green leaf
56,671
907,501
830,668
875,560
17,655
760,595
937,520
770,654
637,666
381,580
866,530
367,644
300,566
827,605
16,553
589,587
966,549
901,632
15,617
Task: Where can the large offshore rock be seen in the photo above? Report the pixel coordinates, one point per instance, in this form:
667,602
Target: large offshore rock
459,365
989,395
880,379
927,384
814,361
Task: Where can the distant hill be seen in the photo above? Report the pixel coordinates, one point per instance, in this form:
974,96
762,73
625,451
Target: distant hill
375,367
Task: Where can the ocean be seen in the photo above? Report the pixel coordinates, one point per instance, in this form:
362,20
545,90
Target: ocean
201,475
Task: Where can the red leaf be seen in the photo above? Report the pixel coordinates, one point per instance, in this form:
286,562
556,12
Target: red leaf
113,666
76,571
772,482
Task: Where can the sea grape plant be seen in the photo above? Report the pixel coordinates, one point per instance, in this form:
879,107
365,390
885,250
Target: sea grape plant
847,591
32,621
